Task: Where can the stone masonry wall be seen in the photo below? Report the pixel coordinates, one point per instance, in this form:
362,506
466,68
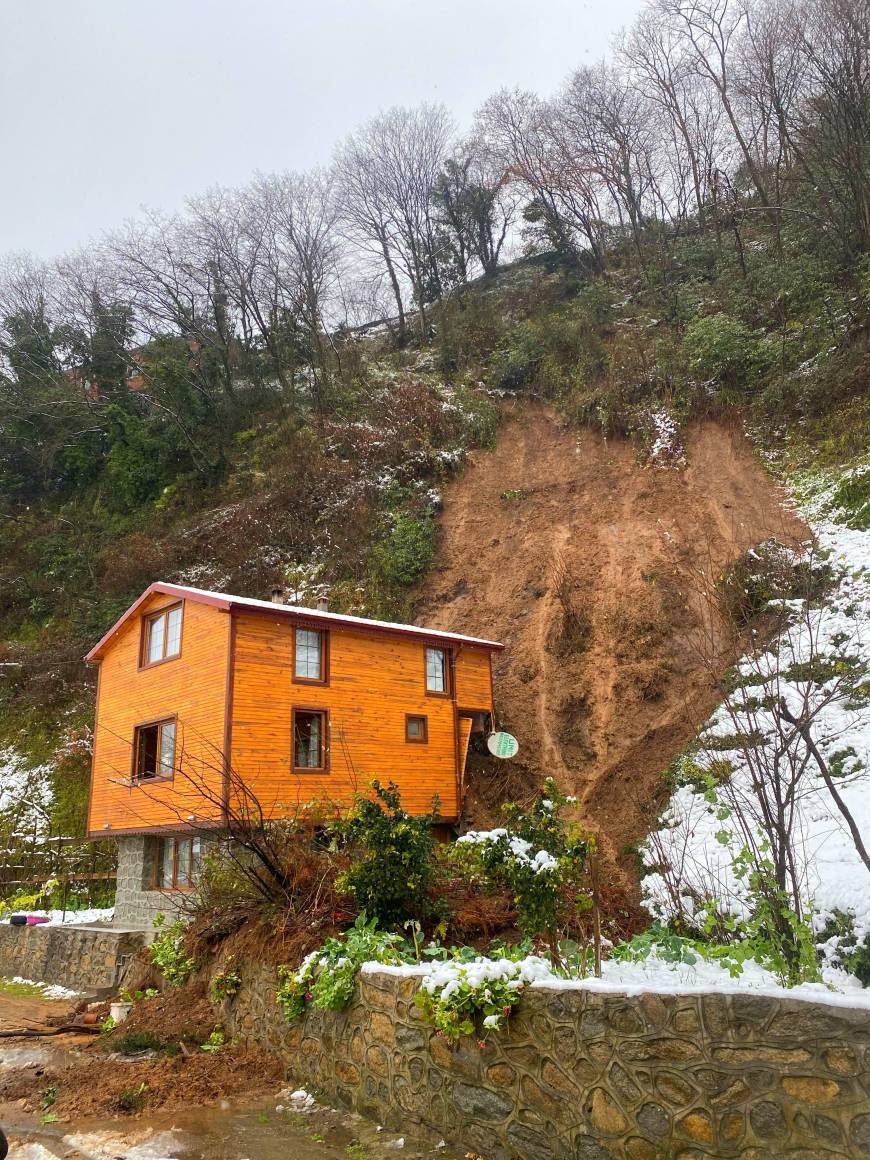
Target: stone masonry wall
87,959
583,1075
135,905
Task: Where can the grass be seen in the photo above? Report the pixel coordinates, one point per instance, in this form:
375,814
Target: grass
135,1041
21,990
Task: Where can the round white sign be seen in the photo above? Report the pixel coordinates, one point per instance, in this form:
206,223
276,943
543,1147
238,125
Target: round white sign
502,745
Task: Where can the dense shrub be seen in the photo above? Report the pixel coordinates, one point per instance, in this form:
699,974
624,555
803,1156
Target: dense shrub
722,349
392,857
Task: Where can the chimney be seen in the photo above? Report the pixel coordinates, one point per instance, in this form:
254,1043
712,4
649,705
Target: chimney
322,604
277,595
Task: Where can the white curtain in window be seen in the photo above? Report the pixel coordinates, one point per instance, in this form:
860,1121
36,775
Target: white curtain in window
167,863
167,749
435,682
308,654
173,636
155,639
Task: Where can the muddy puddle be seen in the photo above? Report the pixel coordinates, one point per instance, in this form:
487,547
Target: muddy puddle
288,1124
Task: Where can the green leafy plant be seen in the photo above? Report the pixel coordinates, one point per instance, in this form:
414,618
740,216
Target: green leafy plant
226,982
539,858
168,953
475,995
107,1025
326,977
132,1099
215,1041
132,1042
393,857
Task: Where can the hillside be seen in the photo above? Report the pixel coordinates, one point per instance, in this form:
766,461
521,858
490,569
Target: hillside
585,562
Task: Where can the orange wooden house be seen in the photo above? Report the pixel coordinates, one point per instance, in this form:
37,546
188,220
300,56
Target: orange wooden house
198,690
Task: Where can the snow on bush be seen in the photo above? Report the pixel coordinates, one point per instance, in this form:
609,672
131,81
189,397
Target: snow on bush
752,766
661,433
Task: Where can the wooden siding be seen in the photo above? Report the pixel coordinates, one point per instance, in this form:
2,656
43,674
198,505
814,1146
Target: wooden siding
374,682
192,688
473,678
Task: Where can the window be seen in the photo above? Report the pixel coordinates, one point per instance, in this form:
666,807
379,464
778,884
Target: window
436,671
309,661
416,729
176,863
309,739
161,636
154,750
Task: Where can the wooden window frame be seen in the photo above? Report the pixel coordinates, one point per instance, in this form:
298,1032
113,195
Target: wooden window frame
323,679
147,620
423,739
308,769
447,692
159,722
157,870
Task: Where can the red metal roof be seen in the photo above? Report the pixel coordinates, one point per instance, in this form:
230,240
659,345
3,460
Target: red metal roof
293,611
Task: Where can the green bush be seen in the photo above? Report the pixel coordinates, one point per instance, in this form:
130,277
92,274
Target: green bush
722,349
404,555
844,950
135,1041
326,977
538,857
393,857
850,499
168,953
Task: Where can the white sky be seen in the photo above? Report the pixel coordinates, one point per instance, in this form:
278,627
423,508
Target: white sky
109,105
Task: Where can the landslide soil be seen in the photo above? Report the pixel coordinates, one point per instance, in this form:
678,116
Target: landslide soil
604,699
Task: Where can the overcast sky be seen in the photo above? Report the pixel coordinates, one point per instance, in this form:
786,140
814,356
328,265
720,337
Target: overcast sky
109,105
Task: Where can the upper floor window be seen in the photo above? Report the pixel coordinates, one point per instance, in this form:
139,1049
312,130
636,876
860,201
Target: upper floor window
154,750
161,635
309,656
437,673
309,739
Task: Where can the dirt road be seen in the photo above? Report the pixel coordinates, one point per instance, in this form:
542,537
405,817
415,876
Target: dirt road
555,519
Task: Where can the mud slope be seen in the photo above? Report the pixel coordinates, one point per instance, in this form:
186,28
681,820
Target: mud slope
552,509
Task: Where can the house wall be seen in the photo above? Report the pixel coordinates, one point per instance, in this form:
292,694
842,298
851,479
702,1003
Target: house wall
375,679
191,687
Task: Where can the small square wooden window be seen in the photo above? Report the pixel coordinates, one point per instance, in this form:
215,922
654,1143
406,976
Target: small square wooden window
437,672
161,636
310,656
416,729
154,751
310,742
176,863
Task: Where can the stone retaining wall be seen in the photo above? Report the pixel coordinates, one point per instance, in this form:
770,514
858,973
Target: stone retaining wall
83,958
583,1075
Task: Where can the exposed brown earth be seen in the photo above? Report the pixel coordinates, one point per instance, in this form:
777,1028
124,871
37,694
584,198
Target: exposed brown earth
606,705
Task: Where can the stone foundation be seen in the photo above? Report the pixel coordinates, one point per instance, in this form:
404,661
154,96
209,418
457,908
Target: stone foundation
83,958
136,904
583,1075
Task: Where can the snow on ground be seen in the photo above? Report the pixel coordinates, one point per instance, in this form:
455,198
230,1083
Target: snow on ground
77,917
700,840
49,990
